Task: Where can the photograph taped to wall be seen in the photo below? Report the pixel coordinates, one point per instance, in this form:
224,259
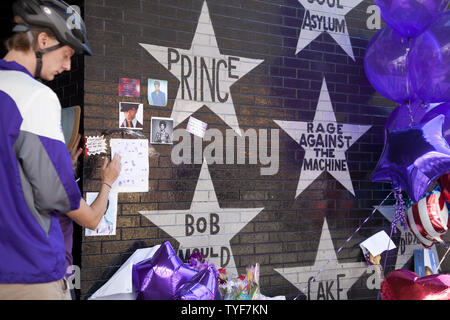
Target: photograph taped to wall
157,92
161,130
107,225
131,115
129,87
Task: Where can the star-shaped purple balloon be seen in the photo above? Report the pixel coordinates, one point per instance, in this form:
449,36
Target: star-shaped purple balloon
203,286
159,277
414,158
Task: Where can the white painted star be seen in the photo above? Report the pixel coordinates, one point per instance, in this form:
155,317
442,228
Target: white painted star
205,226
327,17
336,279
331,156
204,64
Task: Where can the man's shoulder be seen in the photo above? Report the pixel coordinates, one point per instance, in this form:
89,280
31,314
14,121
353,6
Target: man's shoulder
23,89
38,105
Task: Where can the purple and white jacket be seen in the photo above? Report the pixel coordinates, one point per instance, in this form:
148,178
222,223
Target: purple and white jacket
36,179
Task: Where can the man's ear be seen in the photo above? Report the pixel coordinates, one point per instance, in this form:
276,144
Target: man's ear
45,41
42,41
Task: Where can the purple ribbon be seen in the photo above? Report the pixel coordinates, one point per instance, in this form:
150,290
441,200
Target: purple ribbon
342,247
399,215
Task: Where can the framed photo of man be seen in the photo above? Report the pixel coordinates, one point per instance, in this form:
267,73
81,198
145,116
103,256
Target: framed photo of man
131,115
161,131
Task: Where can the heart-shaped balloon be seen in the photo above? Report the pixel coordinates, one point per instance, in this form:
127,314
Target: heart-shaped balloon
203,286
406,285
159,277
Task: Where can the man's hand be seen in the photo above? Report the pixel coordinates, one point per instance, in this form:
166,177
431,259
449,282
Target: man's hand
89,216
111,170
75,153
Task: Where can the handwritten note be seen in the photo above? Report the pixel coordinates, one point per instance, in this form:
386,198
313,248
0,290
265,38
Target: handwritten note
95,145
377,244
135,168
196,127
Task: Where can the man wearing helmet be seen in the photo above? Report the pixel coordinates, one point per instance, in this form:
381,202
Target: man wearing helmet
36,172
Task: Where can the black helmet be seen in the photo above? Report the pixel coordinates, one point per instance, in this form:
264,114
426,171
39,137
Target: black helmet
58,16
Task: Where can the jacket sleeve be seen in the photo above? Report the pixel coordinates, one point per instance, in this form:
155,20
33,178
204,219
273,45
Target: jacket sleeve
44,158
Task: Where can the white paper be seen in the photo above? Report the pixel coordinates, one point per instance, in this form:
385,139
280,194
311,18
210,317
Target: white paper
120,285
135,167
107,225
95,145
196,127
377,244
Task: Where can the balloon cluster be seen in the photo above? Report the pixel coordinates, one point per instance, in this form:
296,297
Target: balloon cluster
408,61
165,277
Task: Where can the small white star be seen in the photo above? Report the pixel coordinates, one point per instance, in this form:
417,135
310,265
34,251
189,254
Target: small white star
336,279
325,143
326,16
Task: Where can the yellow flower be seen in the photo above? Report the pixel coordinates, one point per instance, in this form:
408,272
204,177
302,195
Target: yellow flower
249,275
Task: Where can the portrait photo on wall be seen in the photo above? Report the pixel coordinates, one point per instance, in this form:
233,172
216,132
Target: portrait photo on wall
129,87
157,92
131,115
161,131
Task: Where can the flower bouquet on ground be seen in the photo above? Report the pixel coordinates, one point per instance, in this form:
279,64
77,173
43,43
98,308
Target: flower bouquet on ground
240,288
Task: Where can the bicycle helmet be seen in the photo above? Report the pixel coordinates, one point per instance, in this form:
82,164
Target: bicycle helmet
58,16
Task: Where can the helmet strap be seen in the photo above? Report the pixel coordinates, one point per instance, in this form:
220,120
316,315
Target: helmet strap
21,27
39,54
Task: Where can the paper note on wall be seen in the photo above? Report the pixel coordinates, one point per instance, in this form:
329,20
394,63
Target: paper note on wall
135,167
94,145
107,225
196,127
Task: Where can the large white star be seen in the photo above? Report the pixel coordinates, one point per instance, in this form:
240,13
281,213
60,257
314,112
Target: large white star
325,142
334,281
204,73
326,16
205,226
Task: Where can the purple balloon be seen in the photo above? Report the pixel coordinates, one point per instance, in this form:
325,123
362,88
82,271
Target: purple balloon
429,62
203,286
443,108
159,277
386,67
414,157
406,115
410,17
